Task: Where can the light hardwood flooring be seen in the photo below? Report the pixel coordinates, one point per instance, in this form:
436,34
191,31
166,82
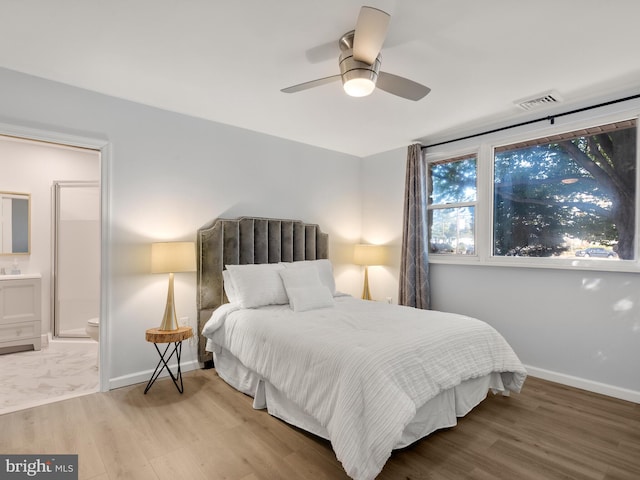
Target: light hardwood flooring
546,432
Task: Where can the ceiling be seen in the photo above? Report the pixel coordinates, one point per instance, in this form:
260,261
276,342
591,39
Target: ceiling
227,61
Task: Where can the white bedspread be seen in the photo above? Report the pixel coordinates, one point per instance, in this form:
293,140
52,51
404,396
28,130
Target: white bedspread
363,368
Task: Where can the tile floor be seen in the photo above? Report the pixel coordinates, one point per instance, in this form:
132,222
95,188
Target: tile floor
62,369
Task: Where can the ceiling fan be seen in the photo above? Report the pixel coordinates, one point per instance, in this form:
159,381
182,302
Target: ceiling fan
360,62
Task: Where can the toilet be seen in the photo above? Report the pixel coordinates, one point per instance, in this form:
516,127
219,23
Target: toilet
93,328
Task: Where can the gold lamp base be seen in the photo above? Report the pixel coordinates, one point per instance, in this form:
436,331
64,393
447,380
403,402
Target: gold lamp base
366,294
170,319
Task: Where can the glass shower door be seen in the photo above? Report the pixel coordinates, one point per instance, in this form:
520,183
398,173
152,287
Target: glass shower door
76,269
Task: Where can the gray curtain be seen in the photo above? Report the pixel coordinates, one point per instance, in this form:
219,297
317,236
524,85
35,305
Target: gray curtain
414,267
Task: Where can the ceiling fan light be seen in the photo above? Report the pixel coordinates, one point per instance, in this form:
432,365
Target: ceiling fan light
359,87
358,78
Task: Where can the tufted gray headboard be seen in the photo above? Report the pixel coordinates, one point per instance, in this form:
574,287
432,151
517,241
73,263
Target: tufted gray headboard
247,240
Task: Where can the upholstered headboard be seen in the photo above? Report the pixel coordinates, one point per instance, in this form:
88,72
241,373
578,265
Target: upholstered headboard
247,240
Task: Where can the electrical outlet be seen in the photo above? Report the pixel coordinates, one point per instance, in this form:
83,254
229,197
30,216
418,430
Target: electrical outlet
184,322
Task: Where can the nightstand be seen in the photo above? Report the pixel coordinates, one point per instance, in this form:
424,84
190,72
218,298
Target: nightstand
170,337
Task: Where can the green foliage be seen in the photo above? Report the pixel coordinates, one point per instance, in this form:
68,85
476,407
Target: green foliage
453,182
583,188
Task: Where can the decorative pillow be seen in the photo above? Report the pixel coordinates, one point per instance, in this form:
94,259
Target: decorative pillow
325,271
229,289
302,299
304,288
257,285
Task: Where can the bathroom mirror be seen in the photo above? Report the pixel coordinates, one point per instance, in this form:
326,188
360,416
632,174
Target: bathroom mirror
15,228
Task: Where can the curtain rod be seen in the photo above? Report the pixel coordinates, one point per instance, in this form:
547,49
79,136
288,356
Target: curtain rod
550,118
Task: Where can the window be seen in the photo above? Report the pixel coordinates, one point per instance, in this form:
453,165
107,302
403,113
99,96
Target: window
452,200
556,197
568,195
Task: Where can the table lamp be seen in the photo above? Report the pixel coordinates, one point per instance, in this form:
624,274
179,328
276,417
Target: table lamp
368,255
172,257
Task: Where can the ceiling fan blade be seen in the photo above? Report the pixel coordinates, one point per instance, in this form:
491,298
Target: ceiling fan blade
370,32
400,86
311,84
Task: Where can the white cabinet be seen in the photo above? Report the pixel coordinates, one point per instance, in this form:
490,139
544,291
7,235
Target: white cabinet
20,312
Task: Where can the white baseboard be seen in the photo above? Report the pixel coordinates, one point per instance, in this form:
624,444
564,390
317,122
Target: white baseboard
144,376
589,385
577,382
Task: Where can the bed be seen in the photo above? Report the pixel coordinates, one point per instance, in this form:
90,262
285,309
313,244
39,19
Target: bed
367,376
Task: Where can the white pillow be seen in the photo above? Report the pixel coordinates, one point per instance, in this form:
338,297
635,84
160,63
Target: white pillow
229,289
301,276
304,288
325,271
302,299
257,285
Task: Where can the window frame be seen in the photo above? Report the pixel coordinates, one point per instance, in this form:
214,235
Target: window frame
483,148
442,206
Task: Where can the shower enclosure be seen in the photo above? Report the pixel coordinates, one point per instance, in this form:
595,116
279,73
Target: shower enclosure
76,257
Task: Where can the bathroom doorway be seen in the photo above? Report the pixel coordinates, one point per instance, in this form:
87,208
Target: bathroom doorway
33,161
76,257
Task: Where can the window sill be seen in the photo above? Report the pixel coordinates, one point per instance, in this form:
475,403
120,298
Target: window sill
582,264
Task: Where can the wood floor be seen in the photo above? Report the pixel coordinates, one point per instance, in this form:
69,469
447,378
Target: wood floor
546,432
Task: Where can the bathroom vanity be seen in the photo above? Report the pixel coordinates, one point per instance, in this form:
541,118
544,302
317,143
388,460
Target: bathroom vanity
20,311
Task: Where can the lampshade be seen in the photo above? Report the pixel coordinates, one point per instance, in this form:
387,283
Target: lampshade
173,257
369,255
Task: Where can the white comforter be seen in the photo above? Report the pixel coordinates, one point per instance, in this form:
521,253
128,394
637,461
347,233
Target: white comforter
363,368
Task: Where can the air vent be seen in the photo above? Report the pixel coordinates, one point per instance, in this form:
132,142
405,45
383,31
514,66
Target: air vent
539,101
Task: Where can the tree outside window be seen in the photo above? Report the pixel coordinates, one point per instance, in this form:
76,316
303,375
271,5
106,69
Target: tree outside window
451,210
559,196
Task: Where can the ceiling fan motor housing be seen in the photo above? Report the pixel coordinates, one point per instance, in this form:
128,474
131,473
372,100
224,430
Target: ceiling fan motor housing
351,68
